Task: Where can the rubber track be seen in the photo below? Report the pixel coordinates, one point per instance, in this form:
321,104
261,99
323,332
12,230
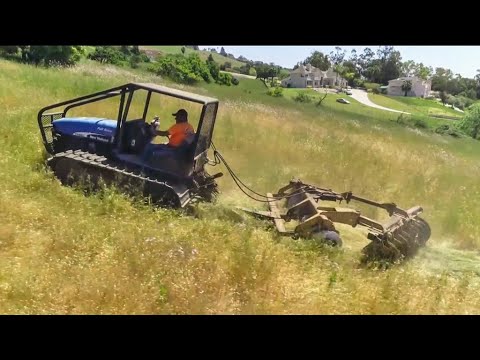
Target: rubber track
103,163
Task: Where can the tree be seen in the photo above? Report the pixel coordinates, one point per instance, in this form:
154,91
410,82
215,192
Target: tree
135,50
477,79
322,98
339,70
183,50
422,71
440,78
443,97
406,86
383,52
48,55
390,65
365,60
407,68
223,52
214,69
108,54
470,124
337,60
337,56
354,59
470,94
265,71
9,49
318,60
124,49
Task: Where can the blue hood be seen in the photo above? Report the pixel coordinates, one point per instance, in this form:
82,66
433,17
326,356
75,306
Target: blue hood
85,126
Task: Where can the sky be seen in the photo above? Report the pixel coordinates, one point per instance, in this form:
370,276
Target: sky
463,60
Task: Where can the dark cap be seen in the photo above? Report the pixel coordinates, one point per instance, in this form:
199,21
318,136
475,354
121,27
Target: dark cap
181,112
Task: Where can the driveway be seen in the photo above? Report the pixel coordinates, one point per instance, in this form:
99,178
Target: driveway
362,97
239,75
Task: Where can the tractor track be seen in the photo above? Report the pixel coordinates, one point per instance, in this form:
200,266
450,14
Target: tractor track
69,165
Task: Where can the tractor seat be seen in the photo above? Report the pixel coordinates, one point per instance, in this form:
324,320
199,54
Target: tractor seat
178,160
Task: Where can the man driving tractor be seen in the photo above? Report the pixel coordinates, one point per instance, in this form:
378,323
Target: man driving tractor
180,133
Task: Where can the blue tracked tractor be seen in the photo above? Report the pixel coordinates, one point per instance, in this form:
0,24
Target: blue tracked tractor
113,149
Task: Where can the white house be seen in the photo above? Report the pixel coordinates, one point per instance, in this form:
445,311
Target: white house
310,76
420,87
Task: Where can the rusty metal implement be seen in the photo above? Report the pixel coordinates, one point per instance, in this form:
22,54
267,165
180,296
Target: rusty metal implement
398,238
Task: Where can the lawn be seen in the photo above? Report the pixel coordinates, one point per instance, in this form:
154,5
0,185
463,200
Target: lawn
357,110
413,105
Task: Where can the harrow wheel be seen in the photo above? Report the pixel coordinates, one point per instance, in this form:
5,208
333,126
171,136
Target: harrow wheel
403,243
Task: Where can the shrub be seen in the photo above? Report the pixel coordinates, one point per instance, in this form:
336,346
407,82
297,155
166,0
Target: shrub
184,69
462,102
52,55
214,69
358,82
302,97
448,130
470,124
470,94
134,61
11,50
144,57
371,85
420,123
199,67
235,81
108,54
450,99
401,119
224,79
275,92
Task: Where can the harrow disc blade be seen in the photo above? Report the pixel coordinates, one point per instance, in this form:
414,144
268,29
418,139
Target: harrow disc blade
401,243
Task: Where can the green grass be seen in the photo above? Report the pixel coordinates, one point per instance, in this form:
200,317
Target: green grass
202,53
66,253
413,105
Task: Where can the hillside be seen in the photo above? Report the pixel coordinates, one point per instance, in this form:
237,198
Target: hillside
220,59
67,253
414,105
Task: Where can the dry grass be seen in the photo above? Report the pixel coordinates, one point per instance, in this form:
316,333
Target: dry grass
65,253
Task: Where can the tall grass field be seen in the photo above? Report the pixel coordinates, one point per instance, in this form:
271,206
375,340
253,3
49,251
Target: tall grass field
63,252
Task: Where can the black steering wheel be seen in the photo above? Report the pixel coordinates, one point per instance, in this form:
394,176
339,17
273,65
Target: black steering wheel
153,125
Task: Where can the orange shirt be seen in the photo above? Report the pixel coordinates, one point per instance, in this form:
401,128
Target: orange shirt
179,132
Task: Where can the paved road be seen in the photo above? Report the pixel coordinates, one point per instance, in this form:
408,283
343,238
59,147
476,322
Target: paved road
362,97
